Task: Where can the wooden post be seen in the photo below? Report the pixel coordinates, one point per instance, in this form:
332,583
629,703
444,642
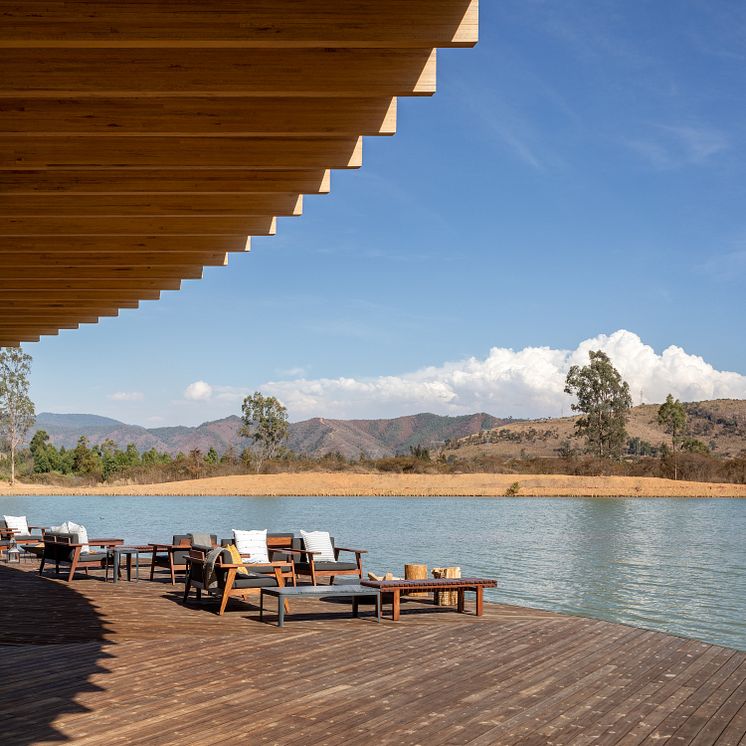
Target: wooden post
446,598
416,572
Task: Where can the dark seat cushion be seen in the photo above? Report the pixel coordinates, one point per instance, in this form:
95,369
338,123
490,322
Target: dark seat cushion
254,581
325,566
92,557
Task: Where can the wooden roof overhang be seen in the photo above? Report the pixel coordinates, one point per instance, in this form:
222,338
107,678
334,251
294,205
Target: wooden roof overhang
143,140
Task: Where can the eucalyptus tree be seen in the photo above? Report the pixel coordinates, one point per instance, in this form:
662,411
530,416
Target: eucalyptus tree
17,413
604,401
672,417
265,422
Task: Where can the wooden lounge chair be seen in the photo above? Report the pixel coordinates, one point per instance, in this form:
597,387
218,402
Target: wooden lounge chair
173,556
306,564
66,549
228,582
280,552
7,533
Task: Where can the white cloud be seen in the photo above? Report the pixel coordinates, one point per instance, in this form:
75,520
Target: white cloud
198,391
521,383
127,396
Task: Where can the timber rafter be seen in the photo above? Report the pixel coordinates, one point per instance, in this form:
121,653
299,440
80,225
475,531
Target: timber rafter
142,141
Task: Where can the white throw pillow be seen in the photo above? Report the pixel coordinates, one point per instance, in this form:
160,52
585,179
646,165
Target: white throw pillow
17,523
76,528
319,541
69,527
253,543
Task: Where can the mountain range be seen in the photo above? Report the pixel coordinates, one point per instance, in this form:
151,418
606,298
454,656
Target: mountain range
315,437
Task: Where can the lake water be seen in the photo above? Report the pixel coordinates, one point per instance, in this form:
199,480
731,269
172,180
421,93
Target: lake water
673,565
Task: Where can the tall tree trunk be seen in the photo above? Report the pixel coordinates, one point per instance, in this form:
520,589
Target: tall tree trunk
12,463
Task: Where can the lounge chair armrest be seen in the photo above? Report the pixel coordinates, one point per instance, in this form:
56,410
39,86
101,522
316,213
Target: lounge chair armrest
267,564
356,551
286,550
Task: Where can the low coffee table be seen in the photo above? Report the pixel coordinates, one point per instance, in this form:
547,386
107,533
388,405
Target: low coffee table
355,592
460,585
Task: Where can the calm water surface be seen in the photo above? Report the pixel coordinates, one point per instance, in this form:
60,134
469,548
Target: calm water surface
673,565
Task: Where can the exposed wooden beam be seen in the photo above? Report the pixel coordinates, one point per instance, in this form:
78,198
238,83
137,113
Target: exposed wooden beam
76,73
8,317
164,181
258,24
214,117
48,303
126,245
52,295
62,273
110,258
148,225
233,153
164,205
114,284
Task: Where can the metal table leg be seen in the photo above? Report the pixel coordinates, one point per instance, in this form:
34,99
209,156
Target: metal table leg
280,611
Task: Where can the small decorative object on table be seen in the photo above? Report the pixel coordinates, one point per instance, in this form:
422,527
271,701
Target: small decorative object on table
446,598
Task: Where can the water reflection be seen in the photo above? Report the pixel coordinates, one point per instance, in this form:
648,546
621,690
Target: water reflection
674,565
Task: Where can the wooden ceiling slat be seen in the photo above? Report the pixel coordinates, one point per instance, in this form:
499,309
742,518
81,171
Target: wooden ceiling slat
228,225
164,181
215,117
141,141
260,23
123,244
112,284
168,205
176,271
182,152
8,307
111,258
54,295
75,73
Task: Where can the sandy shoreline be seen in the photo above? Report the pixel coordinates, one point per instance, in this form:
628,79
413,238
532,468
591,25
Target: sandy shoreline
405,485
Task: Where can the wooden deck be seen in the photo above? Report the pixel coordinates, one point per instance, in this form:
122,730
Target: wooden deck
97,663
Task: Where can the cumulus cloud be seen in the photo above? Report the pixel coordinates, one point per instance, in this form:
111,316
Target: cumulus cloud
198,391
127,396
519,383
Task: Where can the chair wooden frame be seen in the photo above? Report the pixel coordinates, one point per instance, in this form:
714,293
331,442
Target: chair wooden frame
61,549
8,534
226,574
316,573
170,550
169,562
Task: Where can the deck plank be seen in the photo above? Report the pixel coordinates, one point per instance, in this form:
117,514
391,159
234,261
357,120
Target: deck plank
92,662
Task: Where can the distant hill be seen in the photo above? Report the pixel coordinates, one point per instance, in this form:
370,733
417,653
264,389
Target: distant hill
720,424
375,438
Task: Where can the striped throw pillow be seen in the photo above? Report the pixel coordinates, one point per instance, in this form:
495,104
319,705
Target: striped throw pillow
253,543
319,541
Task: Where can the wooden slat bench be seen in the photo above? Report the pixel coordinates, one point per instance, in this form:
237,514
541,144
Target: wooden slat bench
460,585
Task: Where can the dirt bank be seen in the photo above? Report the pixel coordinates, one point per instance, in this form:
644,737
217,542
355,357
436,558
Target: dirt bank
424,485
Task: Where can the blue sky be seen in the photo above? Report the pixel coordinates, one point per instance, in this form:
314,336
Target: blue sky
579,172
